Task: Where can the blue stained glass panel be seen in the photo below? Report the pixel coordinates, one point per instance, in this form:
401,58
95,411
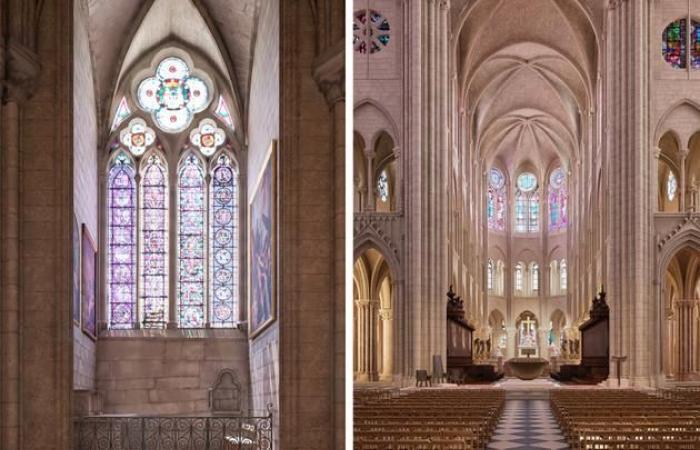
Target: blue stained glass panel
224,235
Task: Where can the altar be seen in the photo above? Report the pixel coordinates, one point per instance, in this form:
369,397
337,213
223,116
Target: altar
527,368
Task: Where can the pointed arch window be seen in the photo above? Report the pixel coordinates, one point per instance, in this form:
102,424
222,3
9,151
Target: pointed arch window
518,278
527,204
558,217
671,186
535,274
197,284
489,275
121,241
562,275
191,226
383,186
224,261
154,243
495,201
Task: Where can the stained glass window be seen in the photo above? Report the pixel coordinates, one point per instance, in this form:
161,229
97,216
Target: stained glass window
137,137
695,45
191,187
154,243
122,243
496,200
371,31
207,137
527,204
173,95
121,114
671,186
520,212
562,275
673,44
518,277
558,195
535,277
383,186
223,113
224,255
489,275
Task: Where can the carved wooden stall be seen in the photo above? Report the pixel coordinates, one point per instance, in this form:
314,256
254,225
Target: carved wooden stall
595,347
460,363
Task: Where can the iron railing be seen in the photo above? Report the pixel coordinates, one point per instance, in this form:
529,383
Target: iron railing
173,433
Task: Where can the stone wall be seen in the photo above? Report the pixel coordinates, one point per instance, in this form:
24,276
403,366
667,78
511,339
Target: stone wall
84,174
167,375
263,128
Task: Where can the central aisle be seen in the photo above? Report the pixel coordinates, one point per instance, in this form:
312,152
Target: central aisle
527,424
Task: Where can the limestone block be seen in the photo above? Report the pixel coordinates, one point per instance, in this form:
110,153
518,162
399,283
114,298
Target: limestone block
176,395
176,382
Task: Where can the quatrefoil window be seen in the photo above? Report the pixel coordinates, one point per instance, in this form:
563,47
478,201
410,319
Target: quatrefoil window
207,137
173,96
137,137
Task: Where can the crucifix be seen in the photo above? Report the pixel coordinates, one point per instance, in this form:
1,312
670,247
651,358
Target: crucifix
528,325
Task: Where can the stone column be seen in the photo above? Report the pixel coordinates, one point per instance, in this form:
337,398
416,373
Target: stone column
683,156
629,218
367,339
512,342
686,336
385,315
371,203
10,338
20,69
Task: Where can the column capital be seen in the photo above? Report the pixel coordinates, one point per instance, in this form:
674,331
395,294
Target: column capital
22,73
329,74
657,152
683,152
385,314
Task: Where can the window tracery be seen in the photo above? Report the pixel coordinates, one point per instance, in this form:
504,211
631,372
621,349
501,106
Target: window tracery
371,31
205,233
527,204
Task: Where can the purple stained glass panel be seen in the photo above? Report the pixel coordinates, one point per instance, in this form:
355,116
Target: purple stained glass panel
191,191
557,200
154,270
122,244
224,257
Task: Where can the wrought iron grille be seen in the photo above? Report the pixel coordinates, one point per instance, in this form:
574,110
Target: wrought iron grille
173,433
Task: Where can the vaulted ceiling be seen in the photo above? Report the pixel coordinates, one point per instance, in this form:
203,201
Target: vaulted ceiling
223,30
527,72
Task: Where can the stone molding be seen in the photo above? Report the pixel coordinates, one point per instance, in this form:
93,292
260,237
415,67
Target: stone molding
689,222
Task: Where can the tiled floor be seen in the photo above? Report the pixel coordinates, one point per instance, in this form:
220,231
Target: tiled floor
527,424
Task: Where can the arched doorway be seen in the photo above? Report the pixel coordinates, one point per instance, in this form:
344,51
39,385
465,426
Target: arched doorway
373,317
557,322
681,300
499,336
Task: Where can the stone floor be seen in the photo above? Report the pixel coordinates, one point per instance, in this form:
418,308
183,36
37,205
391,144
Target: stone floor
527,424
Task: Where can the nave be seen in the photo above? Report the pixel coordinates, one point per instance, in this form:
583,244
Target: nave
446,417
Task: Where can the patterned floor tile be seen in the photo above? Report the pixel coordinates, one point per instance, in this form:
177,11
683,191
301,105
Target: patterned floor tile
527,424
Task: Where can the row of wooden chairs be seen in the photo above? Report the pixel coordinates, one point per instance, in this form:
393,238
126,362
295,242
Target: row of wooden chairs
426,419
626,419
